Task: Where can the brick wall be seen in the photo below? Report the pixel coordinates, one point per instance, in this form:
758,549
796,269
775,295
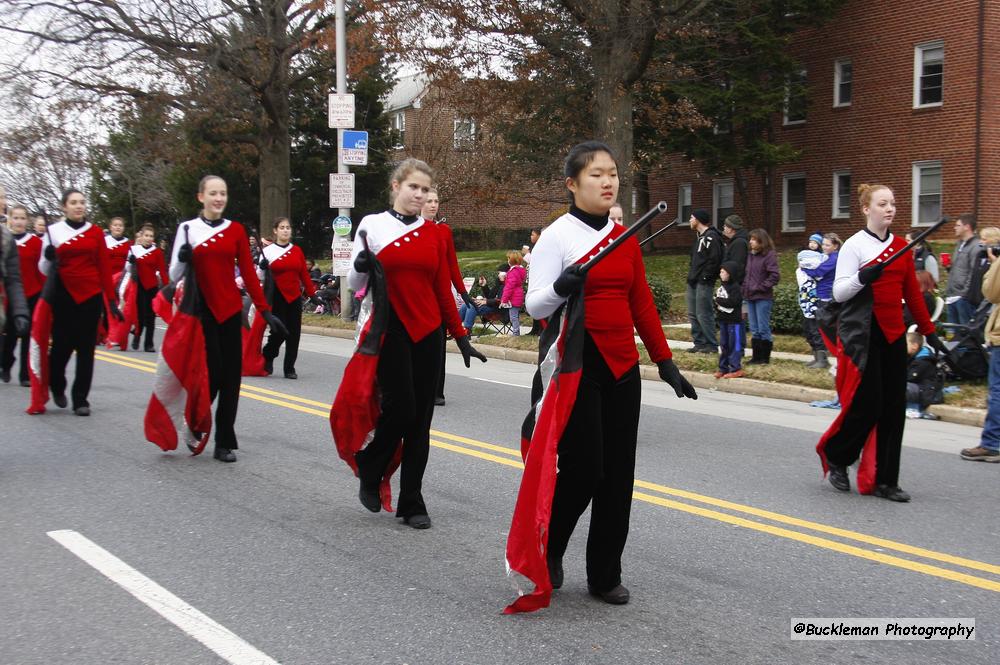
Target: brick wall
879,136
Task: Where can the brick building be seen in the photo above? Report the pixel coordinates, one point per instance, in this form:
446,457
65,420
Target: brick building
901,93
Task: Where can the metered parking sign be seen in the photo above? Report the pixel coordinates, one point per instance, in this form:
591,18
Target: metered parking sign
354,148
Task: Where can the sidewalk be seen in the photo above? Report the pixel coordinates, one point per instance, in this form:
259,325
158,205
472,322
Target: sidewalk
952,414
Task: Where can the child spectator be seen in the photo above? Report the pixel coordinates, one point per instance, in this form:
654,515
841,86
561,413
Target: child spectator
811,260
513,291
922,380
729,308
760,277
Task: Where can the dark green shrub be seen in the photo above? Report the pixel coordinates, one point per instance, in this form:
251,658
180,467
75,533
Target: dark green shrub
786,317
661,294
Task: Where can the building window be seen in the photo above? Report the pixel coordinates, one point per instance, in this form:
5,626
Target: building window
843,77
465,133
793,209
722,201
926,193
684,203
796,99
928,74
841,194
397,125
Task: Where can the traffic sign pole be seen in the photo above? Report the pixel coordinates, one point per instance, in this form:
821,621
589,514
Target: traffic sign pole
341,43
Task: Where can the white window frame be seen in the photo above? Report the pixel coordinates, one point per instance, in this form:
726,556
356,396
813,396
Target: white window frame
784,202
684,187
398,125
918,70
788,98
464,142
917,169
835,212
837,74
715,198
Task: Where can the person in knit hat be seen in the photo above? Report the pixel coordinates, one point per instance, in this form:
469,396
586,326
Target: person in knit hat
816,242
737,245
706,259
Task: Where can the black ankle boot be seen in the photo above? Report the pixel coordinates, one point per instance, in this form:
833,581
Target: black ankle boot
839,478
224,454
555,572
755,348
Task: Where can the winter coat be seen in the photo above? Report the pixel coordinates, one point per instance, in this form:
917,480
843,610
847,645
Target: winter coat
513,286
963,261
737,251
706,257
762,276
991,292
824,274
728,302
10,274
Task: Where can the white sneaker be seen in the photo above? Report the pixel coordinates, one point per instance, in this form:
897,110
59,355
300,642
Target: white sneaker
912,413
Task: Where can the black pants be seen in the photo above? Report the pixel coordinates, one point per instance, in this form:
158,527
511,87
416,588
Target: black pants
147,317
879,402
290,314
407,373
224,355
444,355
10,340
74,328
597,466
810,327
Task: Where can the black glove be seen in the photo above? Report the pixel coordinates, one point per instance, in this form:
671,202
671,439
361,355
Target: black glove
275,323
263,263
184,253
131,258
467,299
22,325
869,274
935,343
569,281
115,312
673,376
50,253
468,352
363,261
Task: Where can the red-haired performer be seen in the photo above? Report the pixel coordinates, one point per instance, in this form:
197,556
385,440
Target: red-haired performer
864,328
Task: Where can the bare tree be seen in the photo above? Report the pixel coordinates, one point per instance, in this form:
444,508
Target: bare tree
186,53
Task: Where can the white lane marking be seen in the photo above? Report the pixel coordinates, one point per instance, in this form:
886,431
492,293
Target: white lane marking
502,383
229,646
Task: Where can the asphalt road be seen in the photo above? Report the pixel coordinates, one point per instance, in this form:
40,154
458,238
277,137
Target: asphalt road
733,534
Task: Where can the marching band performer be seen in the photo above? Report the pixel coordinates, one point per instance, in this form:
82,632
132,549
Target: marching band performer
29,251
148,262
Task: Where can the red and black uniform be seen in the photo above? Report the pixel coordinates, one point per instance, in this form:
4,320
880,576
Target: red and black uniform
219,246
455,276
118,250
865,329
413,254
289,276
151,273
84,281
596,453
29,251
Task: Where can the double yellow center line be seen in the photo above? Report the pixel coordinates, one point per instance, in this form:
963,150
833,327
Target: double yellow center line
744,516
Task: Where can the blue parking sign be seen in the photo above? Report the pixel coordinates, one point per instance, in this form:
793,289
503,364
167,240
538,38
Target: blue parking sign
354,148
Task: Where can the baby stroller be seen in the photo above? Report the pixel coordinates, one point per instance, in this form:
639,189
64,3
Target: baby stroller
967,357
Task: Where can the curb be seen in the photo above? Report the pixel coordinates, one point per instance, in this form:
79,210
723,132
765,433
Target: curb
753,387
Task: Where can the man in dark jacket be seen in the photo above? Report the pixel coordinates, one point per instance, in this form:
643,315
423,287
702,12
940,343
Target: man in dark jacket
706,259
737,245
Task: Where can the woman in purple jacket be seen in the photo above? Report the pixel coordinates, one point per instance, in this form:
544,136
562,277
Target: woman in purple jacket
759,281
513,291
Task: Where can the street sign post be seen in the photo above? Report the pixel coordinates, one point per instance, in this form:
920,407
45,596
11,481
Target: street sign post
342,190
340,111
354,148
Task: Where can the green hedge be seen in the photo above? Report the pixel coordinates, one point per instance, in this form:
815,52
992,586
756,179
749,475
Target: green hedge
786,317
661,294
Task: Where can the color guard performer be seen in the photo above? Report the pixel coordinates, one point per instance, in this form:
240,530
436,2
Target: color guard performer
589,410
29,251
287,265
118,245
411,253
215,245
864,328
148,262
76,256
